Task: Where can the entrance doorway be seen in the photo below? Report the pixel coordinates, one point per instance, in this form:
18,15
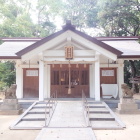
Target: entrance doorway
30,83
108,76
79,76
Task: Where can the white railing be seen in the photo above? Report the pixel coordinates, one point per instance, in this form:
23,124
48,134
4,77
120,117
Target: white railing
86,108
50,107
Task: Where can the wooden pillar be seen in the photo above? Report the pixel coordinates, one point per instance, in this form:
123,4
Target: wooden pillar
92,84
19,79
120,76
41,80
97,78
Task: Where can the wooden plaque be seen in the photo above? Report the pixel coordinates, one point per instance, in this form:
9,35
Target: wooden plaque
69,52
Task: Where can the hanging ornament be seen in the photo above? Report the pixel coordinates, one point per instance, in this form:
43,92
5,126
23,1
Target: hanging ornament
85,65
69,65
77,66
69,89
53,65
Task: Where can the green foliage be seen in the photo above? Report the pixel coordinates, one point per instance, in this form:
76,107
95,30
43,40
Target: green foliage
127,72
17,19
82,13
7,74
38,18
120,17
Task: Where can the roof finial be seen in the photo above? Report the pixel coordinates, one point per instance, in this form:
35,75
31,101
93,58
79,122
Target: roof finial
68,22
68,25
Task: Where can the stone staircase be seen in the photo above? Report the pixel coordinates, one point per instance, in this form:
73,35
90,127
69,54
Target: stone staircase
100,116
34,116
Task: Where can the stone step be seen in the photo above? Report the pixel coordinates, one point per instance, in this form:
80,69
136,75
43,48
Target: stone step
37,112
103,112
33,119
34,116
105,125
103,117
94,102
100,115
42,107
98,109
97,106
32,124
45,102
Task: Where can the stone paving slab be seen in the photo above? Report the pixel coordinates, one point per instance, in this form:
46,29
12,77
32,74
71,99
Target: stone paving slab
66,134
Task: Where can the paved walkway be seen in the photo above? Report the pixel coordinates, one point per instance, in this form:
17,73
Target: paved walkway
67,123
66,134
68,114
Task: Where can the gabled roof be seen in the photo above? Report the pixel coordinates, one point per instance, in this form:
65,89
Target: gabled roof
122,47
122,38
8,48
70,27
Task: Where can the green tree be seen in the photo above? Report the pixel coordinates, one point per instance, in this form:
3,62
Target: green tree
7,74
83,14
17,19
120,17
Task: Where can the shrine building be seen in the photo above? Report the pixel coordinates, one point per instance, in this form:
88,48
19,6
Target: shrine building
69,62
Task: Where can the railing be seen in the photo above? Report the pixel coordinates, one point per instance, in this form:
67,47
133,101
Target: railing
86,107
50,106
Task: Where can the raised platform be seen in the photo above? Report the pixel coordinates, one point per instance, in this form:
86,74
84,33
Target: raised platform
112,103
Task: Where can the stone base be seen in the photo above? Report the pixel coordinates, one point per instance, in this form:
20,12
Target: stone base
11,112
10,104
10,107
127,111
127,106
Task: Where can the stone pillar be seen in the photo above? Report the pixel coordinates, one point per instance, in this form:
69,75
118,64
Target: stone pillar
97,77
41,80
19,79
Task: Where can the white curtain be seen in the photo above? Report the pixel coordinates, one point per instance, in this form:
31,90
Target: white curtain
109,90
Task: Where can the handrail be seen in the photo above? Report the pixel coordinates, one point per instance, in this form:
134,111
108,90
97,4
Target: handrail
86,107
53,101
